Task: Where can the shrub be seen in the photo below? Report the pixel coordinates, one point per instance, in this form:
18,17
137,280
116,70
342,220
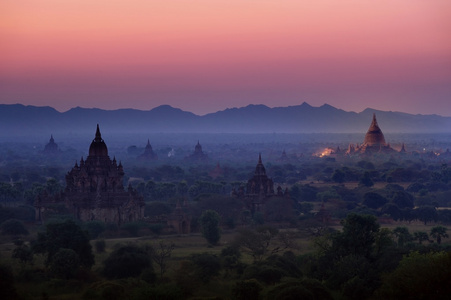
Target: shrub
126,261
13,227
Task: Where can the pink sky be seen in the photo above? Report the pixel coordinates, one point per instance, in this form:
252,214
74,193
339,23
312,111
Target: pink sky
208,55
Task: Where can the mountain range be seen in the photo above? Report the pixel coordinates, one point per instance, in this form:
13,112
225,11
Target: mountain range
17,119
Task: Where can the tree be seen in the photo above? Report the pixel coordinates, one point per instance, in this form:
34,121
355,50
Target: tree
339,176
263,241
439,232
206,266
403,199
23,253
418,276
209,221
67,235
358,236
420,236
161,255
247,290
65,263
374,200
426,214
403,235
126,261
366,180
230,259
94,228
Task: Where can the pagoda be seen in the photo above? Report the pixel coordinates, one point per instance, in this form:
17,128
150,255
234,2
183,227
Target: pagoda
374,142
94,190
51,148
148,153
198,154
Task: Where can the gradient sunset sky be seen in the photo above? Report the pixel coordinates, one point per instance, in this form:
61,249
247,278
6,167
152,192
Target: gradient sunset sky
208,55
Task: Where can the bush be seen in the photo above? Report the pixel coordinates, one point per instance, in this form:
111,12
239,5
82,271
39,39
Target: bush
65,263
206,266
66,235
126,261
94,228
132,228
13,227
247,290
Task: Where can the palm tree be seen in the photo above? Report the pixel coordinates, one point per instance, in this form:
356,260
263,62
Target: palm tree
421,236
438,232
403,235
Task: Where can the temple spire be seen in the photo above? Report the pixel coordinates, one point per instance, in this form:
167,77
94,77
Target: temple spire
98,135
260,158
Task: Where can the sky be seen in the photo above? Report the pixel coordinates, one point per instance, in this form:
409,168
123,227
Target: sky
208,55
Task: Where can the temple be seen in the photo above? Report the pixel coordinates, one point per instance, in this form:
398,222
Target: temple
198,154
374,142
259,189
260,184
148,153
94,190
51,148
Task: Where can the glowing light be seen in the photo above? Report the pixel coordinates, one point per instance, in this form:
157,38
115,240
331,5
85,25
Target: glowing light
325,152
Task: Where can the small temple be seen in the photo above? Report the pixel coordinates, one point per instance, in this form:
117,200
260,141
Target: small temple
51,148
216,172
198,154
259,189
260,184
148,154
94,190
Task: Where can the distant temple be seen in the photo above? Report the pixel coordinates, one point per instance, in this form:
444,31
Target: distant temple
180,220
51,148
259,189
198,154
148,153
374,142
283,157
260,184
94,190
216,172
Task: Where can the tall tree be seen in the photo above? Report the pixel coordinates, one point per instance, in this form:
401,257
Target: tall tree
161,254
439,232
209,221
358,236
403,235
420,236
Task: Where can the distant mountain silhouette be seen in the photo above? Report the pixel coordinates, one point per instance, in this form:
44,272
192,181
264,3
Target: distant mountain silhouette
18,119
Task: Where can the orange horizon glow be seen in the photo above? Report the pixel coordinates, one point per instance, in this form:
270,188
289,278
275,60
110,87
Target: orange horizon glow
209,55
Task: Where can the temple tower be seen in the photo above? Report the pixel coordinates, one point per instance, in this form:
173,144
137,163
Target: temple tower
374,135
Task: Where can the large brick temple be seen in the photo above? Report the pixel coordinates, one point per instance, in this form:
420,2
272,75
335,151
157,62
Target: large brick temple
95,191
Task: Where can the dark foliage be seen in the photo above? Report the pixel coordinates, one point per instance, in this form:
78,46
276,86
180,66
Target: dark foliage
67,235
209,221
13,227
126,261
206,266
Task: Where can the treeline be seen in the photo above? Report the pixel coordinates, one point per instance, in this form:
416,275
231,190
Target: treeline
360,261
